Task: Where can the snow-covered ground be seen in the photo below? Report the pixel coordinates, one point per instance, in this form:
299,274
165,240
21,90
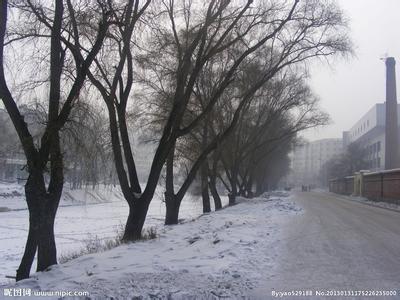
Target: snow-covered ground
223,254
364,200
83,215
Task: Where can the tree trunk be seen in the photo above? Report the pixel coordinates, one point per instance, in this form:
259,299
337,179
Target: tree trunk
34,190
242,191
137,215
29,253
171,204
233,181
133,230
212,173
249,186
42,212
259,188
138,207
128,154
204,187
214,192
204,173
172,209
47,253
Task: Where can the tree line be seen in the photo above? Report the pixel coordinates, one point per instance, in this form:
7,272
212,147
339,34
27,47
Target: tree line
219,87
353,159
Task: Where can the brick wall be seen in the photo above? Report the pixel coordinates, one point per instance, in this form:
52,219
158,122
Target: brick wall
382,186
342,186
372,186
378,186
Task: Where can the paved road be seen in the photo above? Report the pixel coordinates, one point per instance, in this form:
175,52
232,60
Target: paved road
337,244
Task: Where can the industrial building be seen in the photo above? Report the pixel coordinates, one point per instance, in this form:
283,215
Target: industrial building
370,132
378,130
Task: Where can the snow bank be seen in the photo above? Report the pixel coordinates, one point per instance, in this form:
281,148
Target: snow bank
381,204
219,255
275,194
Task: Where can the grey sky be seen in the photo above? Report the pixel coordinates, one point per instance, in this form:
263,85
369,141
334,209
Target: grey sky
349,88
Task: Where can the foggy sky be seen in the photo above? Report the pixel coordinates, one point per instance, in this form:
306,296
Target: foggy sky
349,88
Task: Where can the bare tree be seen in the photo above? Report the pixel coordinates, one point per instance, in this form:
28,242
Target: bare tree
353,159
42,198
181,39
115,88
291,34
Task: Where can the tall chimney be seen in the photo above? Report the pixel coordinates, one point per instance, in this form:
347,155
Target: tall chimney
392,135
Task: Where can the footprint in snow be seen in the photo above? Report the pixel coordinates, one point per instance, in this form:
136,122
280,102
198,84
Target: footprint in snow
193,239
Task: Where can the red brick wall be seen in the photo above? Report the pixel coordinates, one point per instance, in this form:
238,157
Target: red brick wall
391,186
383,186
372,186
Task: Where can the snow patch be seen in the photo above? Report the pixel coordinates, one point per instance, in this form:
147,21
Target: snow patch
382,204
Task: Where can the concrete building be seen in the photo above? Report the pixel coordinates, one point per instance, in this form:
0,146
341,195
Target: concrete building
307,160
370,133
378,130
